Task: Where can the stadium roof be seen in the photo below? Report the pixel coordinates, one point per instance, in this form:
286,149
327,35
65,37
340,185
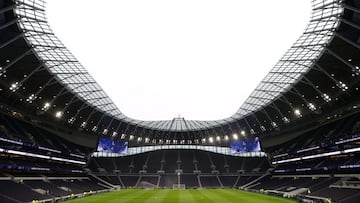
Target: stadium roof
39,75
69,71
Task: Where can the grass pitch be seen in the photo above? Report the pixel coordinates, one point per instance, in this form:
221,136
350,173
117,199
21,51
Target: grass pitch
180,196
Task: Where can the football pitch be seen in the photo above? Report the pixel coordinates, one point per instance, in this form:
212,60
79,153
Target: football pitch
181,196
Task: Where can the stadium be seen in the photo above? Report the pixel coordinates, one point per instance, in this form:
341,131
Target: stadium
296,138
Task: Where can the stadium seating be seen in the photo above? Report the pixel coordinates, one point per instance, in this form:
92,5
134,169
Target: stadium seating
315,186
339,136
33,189
196,168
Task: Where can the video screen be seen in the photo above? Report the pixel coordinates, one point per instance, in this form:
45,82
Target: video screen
113,146
248,145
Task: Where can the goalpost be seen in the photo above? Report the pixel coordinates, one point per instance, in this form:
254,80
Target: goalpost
179,186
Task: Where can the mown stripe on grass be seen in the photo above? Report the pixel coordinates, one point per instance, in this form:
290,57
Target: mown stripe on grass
199,196
186,197
215,196
240,197
139,196
172,196
158,196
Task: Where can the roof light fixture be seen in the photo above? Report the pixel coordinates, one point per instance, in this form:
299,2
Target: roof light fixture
58,114
46,106
356,71
211,139
297,113
235,136
326,97
83,124
252,131
263,128
311,106
31,98
342,86
71,120
286,119
105,131
2,71
123,136
15,86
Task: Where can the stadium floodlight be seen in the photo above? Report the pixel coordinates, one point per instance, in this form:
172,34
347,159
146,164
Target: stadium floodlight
235,136
226,138
105,131
274,124
286,119
297,112
114,134
326,97
211,139
311,106
131,137
58,114
71,120
94,128
356,71
252,131
83,124
46,106
218,138
203,140
342,86
243,133
31,98
147,140
123,136
2,72
139,139
262,128
14,86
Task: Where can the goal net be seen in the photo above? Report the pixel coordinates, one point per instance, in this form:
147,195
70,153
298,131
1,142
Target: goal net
179,186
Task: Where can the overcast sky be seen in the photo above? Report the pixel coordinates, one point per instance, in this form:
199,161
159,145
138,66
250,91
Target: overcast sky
160,58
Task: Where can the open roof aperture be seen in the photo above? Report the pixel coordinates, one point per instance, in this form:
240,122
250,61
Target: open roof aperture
194,58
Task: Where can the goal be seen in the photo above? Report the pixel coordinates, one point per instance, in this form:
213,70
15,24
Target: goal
179,186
